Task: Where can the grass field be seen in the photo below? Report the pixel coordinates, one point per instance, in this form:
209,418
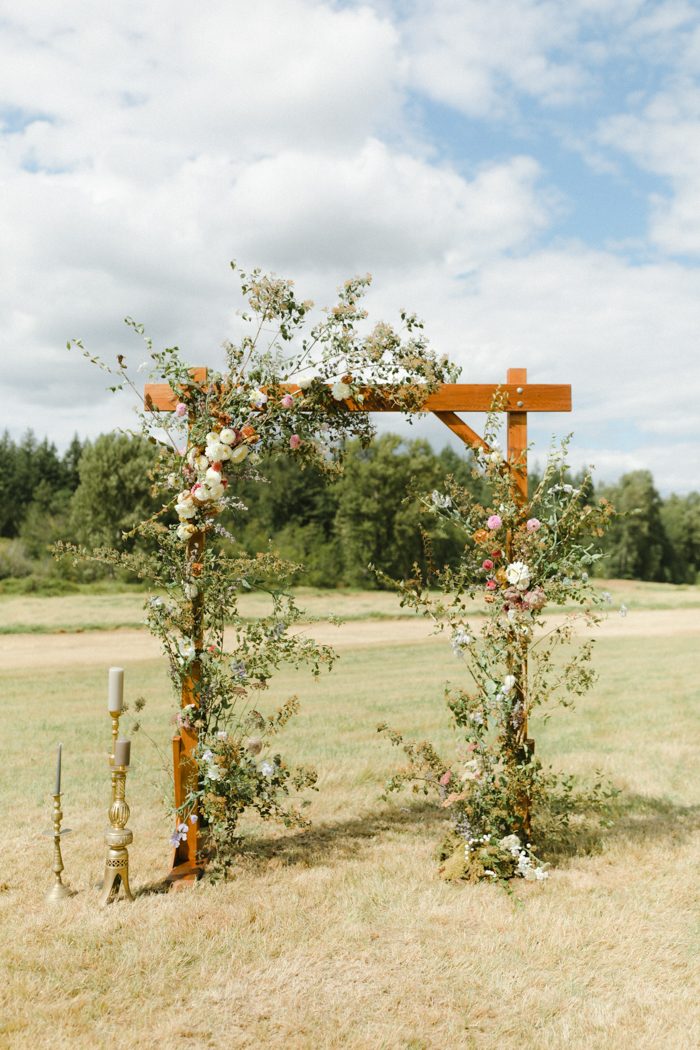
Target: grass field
342,935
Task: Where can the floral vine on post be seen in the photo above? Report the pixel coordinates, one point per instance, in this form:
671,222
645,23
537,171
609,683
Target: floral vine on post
520,562
285,390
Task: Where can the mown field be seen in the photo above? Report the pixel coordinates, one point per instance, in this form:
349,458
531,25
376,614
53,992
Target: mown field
342,935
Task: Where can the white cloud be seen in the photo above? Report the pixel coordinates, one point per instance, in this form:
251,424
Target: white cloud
472,54
665,140
624,336
152,143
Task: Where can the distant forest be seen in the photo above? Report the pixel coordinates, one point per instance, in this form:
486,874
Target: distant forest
367,516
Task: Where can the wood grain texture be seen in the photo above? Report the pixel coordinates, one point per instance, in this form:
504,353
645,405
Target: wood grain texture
517,432
462,430
451,397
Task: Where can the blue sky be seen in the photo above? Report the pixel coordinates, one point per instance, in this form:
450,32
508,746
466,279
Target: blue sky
525,175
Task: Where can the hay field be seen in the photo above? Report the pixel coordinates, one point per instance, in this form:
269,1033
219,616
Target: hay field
342,936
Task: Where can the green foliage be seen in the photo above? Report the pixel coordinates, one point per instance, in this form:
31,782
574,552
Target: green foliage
114,493
283,394
32,469
378,518
680,517
637,546
518,559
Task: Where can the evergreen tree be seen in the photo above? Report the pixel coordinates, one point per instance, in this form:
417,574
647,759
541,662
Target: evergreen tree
636,545
114,491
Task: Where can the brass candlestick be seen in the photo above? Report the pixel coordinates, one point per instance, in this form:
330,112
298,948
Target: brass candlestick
58,892
115,716
117,838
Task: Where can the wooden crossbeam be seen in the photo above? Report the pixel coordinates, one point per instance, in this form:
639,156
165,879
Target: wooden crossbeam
451,397
462,430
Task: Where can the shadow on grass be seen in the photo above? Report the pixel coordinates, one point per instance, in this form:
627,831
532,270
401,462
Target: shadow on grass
632,817
343,839
629,817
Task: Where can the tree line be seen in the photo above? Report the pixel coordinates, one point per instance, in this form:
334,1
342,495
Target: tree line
368,516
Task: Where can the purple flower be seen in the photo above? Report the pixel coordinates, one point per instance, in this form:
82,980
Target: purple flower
494,522
533,524
287,401
180,409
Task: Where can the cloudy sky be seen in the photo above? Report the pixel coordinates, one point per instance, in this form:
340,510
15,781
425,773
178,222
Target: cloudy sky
523,174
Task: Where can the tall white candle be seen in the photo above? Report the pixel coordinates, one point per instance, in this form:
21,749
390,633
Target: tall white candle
115,698
58,770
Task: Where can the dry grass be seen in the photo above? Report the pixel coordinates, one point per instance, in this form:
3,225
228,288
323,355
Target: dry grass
341,935
20,614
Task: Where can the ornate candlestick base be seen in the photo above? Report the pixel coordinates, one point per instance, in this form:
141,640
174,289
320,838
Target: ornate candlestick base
117,838
59,891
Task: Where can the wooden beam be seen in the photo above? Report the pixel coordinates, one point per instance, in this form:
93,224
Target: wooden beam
517,433
160,397
451,397
462,430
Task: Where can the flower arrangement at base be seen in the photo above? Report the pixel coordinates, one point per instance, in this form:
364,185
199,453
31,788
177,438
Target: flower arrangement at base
521,562
285,390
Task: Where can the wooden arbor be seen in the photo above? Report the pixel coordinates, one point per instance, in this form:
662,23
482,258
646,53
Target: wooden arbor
519,398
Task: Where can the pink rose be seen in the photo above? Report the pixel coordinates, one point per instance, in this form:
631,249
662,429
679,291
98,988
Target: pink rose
294,441
535,599
446,778
180,409
287,401
488,565
494,522
491,585
533,524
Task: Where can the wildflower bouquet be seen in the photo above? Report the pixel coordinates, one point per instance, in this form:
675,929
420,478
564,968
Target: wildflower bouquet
284,390
520,562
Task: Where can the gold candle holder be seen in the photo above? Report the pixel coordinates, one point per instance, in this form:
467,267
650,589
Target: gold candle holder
117,838
115,716
59,891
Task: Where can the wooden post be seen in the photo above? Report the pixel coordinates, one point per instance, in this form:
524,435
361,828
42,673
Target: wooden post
517,432
517,457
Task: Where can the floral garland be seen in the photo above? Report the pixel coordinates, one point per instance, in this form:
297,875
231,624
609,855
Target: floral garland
518,560
284,391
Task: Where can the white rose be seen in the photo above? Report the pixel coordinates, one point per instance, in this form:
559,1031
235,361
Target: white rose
305,382
212,437
213,476
341,391
258,398
239,453
216,451
518,575
227,436
508,683
197,461
185,508
211,490
184,531
512,844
